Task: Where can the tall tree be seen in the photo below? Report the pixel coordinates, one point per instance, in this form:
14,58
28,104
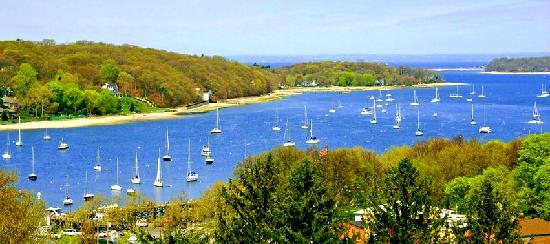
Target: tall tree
109,71
25,78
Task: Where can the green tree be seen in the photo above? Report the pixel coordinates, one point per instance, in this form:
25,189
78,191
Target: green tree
73,97
109,71
21,212
25,78
307,209
405,212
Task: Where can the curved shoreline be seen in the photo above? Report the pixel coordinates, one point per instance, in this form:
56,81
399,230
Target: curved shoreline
184,111
514,73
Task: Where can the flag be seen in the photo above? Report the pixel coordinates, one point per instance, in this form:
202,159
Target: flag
323,152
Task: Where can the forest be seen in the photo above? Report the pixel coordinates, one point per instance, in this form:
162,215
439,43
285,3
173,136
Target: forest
52,79
291,195
539,64
342,73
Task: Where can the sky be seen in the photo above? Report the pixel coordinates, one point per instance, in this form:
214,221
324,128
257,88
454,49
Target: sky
293,27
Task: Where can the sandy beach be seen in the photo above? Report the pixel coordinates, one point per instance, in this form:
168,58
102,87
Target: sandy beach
515,73
184,111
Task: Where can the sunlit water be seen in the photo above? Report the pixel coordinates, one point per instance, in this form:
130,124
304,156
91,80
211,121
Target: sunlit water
507,109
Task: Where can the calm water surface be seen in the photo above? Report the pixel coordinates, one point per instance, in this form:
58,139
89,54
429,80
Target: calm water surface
507,108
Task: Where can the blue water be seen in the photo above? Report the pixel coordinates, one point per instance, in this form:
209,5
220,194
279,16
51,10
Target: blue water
508,107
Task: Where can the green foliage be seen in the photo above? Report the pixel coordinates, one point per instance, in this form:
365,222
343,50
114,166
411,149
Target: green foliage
25,78
109,71
355,74
405,211
21,212
540,64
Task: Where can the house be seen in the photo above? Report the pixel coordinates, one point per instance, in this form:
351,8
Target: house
110,87
9,105
206,96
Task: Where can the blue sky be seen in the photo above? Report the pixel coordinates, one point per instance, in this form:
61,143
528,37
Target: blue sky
225,27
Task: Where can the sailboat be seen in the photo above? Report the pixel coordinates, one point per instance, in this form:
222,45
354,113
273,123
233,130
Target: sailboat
484,129
218,128
158,180
97,166
389,98
191,175
63,145
482,95
136,179
288,142
436,99
205,151
472,121
116,187
7,154
473,90
455,95
87,196
276,127
167,156
379,99
312,139
418,132
366,111
19,141
209,159
543,92
373,120
306,121
536,116
33,175
332,110
397,117
415,100
68,200
340,104
46,137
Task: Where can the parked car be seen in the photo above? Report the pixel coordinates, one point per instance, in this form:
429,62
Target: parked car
71,232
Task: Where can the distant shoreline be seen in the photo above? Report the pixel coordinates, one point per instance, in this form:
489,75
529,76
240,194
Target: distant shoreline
457,69
515,73
183,111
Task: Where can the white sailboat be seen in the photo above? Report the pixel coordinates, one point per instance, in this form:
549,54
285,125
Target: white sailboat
543,92
373,120
332,110
167,156
436,99
68,200
366,111
340,104
205,151
473,90
19,141
455,95
288,142
33,175
418,132
389,98
63,145
306,121
158,179
484,129
191,175
209,159
482,95
536,116
218,128
379,99
46,137
97,166
87,196
276,127
7,154
415,99
397,117
136,179
116,187
472,121
312,139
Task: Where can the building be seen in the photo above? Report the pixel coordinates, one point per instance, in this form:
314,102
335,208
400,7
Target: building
9,105
110,87
206,96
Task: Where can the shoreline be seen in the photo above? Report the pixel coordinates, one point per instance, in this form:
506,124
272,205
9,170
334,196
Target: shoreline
457,69
514,73
180,112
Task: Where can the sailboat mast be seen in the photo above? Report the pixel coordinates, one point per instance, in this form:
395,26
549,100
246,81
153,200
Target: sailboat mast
117,171
167,143
472,112
97,155
158,167
311,129
32,151
137,170
374,108
418,119
189,156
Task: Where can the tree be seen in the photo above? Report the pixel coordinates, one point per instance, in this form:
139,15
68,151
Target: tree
404,213
73,97
124,82
21,212
491,217
307,210
109,71
25,78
